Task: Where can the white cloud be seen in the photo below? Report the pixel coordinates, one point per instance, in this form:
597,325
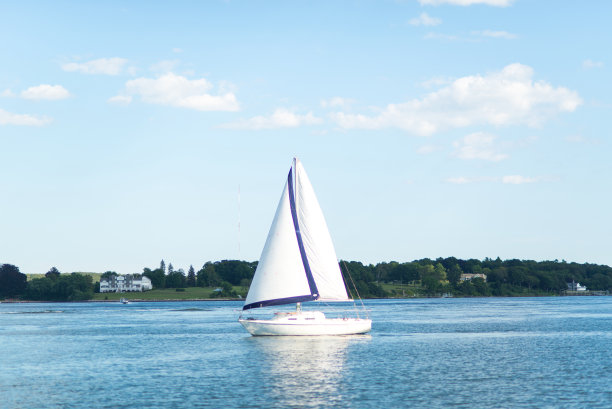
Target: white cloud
518,180
511,179
507,97
165,66
497,3
436,82
45,91
281,118
495,34
478,145
580,139
589,64
424,20
473,37
7,93
106,66
8,118
178,91
120,99
336,102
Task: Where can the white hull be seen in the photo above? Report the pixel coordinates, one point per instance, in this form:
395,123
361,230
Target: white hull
306,324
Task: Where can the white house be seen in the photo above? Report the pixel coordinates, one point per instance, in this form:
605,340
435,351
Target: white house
125,283
470,276
573,286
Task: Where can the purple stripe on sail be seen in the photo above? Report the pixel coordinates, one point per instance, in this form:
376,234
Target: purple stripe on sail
311,282
280,301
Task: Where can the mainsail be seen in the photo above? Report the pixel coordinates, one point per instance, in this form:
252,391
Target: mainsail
298,262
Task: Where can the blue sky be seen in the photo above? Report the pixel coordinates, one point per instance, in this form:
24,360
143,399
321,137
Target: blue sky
429,128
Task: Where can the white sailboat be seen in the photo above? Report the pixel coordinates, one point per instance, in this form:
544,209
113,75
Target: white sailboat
299,264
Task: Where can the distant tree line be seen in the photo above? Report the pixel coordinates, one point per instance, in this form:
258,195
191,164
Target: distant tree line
503,278
52,287
223,275
419,278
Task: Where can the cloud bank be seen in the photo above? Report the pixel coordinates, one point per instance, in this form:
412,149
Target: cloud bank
424,20
8,118
507,180
105,66
281,118
495,34
479,145
507,97
45,91
178,91
589,64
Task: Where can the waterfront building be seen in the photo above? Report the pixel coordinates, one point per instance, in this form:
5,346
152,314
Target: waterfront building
470,276
573,286
125,283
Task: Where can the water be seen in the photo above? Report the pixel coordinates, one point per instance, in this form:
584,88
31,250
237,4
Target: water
424,353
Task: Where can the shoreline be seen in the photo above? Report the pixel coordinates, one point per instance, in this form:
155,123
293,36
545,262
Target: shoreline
138,300
117,301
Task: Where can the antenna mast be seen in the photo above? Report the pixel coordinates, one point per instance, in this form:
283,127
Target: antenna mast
238,221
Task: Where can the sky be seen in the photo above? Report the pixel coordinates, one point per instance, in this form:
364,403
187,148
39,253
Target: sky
132,132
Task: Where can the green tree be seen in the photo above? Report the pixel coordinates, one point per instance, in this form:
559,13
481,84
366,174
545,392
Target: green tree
207,276
440,272
466,288
234,271
108,274
12,282
66,287
405,272
162,266
53,273
175,279
191,277
157,277
480,286
40,289
227,291
431,284
454,274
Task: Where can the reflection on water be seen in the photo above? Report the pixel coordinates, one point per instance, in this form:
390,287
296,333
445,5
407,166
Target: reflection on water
306,371
434,353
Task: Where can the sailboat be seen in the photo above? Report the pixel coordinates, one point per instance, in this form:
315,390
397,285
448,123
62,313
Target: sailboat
299,264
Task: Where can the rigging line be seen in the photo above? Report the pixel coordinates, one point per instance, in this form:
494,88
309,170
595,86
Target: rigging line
356,291
347,287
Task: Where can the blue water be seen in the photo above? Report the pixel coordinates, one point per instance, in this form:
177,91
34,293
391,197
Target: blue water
423,353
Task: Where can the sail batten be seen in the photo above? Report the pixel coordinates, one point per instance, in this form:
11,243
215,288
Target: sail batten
298,262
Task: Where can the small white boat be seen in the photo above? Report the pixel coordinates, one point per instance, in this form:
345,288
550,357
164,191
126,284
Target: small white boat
124,301
299,264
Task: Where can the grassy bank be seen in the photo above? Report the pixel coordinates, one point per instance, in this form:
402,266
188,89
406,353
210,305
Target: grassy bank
95,277
189,293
